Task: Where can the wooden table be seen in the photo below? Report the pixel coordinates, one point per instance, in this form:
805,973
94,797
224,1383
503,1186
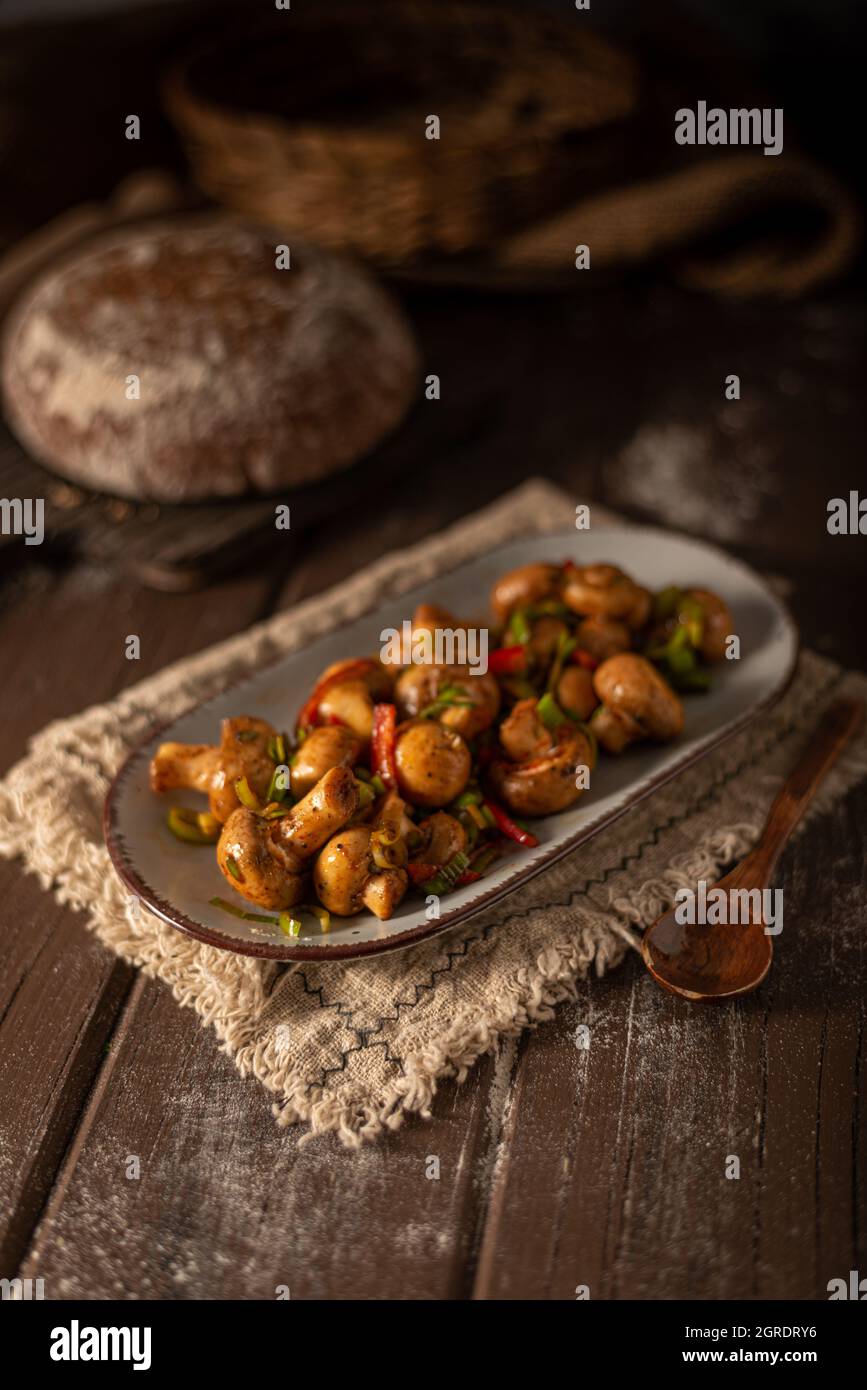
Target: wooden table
559,1167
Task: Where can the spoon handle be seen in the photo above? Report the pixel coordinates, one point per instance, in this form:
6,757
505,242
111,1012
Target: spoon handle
839,722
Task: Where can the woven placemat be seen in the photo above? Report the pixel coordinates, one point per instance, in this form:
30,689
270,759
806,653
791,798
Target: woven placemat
356,1047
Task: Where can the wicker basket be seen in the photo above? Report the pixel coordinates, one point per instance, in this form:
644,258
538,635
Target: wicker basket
313,120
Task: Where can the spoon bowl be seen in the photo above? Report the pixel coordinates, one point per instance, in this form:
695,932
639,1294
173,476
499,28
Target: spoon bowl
704,961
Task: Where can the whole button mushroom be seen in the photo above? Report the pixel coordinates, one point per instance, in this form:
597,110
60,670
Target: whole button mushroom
637,703
605,591
525,585
433,763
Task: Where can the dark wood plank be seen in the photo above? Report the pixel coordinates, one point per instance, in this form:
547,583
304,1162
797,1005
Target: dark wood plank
228,1205
61,992
614,1173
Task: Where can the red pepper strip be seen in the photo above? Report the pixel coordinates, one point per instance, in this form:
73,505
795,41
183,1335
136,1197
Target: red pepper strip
382,760
468,876
421,873
582,657
333,719
508,661
347,671
568,565
508,827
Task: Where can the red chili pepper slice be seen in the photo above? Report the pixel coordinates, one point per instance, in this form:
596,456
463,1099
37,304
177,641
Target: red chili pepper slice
421,873
507,827
468,876
382,742
347,671
508,661
582,657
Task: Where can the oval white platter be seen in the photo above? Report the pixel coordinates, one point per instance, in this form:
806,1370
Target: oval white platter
176,881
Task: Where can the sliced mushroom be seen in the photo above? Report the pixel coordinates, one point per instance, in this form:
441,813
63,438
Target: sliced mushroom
266,861
637,703
242,752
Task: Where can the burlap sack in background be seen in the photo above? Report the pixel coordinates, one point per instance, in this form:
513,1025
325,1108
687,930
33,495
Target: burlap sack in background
356,1047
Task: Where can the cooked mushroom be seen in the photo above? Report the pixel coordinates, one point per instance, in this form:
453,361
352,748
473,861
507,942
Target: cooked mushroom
575,692
323,748
345,693
363,865
542,777
525,585
441,837
637,703
349,704
467,703
603,637
605,591
267,860
376,677
433,763
546,634
243,752
717,624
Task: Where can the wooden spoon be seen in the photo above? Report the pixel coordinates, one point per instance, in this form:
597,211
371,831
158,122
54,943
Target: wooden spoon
722,960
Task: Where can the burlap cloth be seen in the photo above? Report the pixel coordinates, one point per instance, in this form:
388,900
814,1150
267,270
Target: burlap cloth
356,1047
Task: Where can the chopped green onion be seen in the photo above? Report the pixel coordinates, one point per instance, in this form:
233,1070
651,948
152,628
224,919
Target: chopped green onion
275,810
548,608
519,629
239,912
549,711
666,603
362,774
471,797
377,783
247,796
279,783
488,816
565,647
681,660
232,866
322,913
449,698
289,925
445,880
277,748
366,795
696,680
193,827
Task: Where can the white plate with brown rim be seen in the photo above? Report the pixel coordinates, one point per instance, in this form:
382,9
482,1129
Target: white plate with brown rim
176,882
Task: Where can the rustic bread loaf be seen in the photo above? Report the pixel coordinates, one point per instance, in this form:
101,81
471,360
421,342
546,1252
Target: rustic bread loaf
175,361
